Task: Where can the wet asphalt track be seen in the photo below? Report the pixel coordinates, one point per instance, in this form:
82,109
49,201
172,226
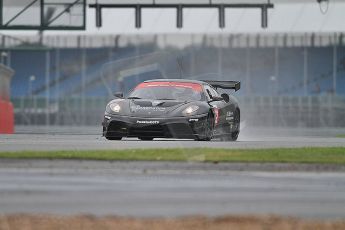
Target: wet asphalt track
57,138
42,142
169,189
166,189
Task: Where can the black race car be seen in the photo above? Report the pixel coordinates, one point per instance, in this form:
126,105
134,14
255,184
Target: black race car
174,108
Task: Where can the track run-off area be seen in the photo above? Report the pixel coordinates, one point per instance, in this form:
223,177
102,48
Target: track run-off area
89,138
170,189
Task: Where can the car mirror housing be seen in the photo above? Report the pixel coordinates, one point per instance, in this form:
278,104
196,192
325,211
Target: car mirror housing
225,97
118,94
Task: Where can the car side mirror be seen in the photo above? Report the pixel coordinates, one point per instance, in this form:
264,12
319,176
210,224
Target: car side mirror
118,94
225,97
216,99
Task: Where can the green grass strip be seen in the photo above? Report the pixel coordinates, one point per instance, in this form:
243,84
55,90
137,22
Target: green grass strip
334,155
341,136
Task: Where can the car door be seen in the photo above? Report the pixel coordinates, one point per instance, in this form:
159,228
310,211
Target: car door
224,108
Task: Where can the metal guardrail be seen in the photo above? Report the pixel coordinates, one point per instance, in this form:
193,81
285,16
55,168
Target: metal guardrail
66,111
280,111
168,40
294,111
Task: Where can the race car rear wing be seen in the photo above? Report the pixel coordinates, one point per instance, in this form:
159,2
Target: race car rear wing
236,85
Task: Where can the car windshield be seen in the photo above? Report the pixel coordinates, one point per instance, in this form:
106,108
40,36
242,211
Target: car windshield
168,91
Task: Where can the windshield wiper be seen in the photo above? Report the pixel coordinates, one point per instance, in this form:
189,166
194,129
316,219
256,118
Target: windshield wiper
134,98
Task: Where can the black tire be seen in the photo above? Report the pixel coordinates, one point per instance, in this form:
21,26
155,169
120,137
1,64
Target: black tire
113,138
146,138
110,138
208,130
234,136
237,121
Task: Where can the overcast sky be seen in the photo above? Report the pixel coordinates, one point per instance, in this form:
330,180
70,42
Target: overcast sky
299,17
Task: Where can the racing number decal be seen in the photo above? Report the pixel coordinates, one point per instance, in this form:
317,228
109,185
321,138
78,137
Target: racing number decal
229,116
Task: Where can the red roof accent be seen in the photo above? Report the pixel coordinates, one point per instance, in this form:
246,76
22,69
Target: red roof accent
190,85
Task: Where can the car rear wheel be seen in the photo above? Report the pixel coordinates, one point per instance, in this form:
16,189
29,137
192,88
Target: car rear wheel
234,136
146,138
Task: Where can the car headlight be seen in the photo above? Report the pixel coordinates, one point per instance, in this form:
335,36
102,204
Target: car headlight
114,107
190,110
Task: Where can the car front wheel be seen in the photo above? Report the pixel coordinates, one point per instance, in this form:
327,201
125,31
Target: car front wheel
208,129
113,138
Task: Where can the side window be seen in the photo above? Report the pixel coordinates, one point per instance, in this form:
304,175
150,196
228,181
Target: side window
214,92
208,92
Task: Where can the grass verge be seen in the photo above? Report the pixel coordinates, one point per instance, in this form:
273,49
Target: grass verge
332,155
341,136
88,222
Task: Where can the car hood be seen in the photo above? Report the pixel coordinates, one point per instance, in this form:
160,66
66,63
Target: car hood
149,108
